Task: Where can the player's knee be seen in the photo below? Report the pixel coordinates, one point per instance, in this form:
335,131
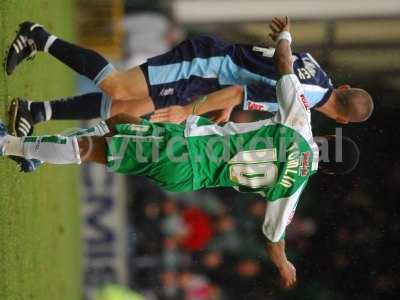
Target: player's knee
113,86
237,93
116,92
237,89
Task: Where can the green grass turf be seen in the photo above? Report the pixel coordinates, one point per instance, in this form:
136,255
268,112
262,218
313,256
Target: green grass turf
39,213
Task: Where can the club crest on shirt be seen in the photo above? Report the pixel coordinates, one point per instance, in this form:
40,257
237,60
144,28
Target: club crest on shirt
304,163
256,106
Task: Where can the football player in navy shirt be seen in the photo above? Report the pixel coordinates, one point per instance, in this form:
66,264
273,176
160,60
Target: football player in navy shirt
200,74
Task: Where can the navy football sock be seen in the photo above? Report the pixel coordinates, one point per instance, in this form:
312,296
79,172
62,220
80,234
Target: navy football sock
82,107
40,35
84,61
38,112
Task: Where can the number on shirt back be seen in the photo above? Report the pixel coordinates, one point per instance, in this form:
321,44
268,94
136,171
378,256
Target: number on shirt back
254,168
267,52
304,73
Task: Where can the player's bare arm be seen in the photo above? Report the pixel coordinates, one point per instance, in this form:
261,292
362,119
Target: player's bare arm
276,252
283,60
222,102
283,54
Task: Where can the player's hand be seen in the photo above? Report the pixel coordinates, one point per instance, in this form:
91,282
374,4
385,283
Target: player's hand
221,116
172,114
278,25
288,275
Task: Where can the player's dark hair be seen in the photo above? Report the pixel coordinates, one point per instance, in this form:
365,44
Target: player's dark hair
338,155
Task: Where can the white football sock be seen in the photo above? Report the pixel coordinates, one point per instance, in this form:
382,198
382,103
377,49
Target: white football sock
100,129
13,146
52,149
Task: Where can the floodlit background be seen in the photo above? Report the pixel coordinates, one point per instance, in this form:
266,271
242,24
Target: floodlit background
138,242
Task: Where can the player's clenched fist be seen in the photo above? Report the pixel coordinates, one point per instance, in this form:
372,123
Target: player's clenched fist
288,275
278,25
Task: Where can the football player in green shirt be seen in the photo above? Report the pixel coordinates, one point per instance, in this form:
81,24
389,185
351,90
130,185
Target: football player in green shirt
273,158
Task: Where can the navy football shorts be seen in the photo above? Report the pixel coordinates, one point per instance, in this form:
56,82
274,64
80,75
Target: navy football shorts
189,70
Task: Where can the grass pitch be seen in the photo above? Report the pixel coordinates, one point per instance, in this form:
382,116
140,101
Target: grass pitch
39,213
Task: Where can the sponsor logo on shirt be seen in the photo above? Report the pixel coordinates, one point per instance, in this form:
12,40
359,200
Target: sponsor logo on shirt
255,106
304,163
167,92
305,102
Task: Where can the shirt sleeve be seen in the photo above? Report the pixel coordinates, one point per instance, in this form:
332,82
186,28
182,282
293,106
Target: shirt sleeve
294,109
279,214
316,83
320,77
260,96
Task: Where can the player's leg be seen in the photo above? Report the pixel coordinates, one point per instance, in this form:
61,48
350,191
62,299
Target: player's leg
28,165
49,149
57,149
24,114
33,37
128,85
93,150
126,153
82,145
